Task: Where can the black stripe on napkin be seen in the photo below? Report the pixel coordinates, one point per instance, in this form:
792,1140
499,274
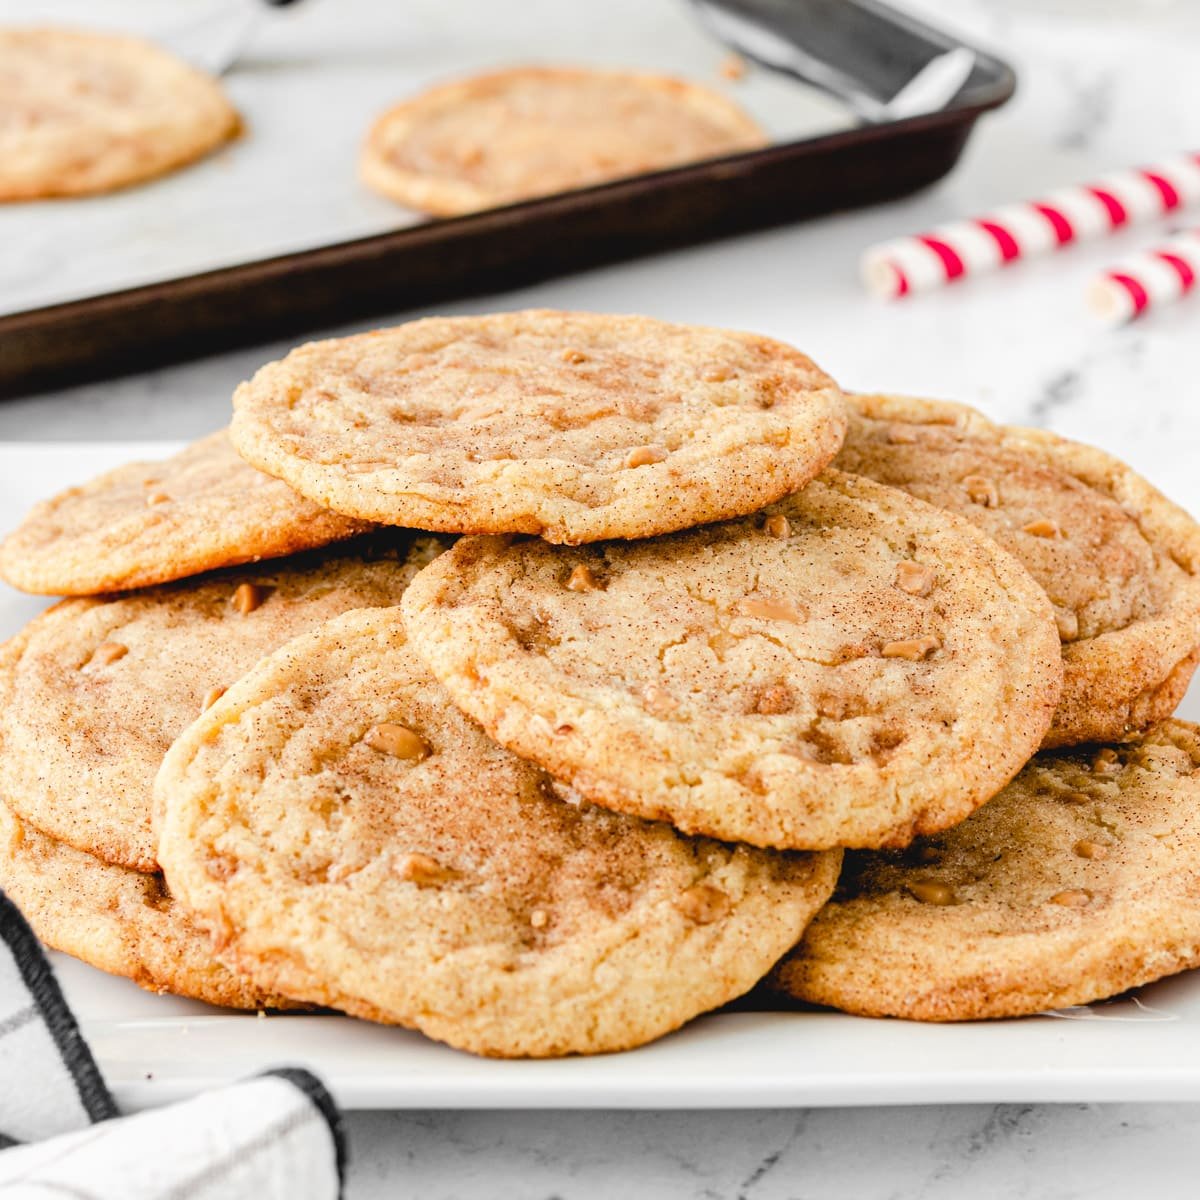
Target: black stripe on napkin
35,971
325,1104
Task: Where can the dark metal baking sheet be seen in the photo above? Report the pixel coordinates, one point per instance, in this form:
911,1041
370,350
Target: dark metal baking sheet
423,264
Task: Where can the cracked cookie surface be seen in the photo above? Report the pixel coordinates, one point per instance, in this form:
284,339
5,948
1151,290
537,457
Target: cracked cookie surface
352,839
848,667
154,522
1119,561
1077,882
93,691
89,112
533,131
574,426
120,921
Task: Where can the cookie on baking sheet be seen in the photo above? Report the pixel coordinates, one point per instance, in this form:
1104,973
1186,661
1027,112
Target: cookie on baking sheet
93,691
575,426
1078,881
89,112
1120,562
351,839
123,922
153,522
535,131
850,667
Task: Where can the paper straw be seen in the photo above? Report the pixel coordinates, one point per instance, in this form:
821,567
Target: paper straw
1151,279
953,251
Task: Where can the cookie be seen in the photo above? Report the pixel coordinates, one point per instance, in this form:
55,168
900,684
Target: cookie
534,131
123,922
351,839
574,426
94,691
850,667
90,112
1077,882
1120,562
154,522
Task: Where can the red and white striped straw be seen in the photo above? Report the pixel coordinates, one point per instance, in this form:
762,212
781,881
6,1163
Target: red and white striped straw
1151,279
1073,214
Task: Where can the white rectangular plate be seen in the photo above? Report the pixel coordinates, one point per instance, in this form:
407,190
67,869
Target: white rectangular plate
157,1048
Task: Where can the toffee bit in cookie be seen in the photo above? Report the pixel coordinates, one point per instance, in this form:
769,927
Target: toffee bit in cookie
398,741
574,357
1068,624
539,918
901,435
777,526
915,649
914,578
928,854
156,497
211,697
658,699
1072,898
1106,761
545,728
1043,528
423,870
717,375
645,456
1076,798
703,904
982,491
770,610
776,699
107,653
582,579
248,596
1090,849
932,891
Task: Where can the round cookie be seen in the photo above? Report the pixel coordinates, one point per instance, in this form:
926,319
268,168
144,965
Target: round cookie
850,667
94,691
1077,882
120,921
352,839
574,426
1120,562
535,131
153,522
90,112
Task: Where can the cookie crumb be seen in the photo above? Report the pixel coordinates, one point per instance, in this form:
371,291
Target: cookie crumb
733,67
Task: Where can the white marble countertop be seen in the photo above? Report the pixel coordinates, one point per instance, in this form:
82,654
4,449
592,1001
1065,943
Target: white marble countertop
1101,86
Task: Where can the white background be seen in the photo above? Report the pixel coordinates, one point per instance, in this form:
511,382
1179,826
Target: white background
1096,93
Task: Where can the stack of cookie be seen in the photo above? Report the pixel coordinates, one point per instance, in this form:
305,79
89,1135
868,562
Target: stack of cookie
565,783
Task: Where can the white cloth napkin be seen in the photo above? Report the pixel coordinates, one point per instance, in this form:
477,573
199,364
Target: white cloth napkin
274,1137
